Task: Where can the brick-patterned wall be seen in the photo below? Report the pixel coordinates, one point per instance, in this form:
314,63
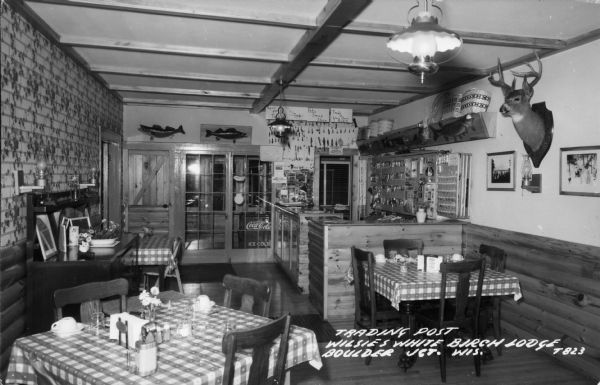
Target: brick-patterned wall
52,109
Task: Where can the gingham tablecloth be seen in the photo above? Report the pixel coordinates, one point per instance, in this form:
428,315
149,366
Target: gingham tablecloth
153,250
414,285
86,359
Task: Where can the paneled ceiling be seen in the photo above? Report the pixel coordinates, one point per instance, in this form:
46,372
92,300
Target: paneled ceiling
329,53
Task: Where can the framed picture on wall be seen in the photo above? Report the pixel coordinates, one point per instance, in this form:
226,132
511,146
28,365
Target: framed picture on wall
45,237
579,171
500,171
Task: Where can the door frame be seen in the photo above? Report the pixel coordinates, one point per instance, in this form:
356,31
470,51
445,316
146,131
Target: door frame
177,153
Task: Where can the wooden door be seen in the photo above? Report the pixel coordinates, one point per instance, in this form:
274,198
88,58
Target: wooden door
147,191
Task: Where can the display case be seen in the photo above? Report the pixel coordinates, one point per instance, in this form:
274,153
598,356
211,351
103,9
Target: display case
286,248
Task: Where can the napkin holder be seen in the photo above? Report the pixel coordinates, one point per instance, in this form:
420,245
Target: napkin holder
430,264
134,328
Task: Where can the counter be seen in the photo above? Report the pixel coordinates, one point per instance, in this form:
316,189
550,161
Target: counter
290,242
329,242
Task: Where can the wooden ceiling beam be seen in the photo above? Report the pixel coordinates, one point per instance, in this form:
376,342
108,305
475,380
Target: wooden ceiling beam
116,70
362,86
184,91
469,37
183,9
336,100
334,16
385,66
137,46
185,103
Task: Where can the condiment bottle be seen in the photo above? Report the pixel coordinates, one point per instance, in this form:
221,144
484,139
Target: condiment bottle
146,357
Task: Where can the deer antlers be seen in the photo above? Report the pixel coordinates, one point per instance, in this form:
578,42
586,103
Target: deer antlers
537,75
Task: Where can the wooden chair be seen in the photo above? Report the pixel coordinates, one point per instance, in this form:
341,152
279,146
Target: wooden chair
409,247
368,313
89,295
255,295
171,270
261,340
495,258
456,313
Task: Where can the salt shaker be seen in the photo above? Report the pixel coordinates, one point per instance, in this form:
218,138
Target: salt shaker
146,357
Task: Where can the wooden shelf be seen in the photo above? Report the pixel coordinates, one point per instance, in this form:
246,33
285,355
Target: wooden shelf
476,126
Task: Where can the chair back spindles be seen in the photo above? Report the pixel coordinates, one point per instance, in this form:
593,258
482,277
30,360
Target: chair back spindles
407,246
255,295
88,296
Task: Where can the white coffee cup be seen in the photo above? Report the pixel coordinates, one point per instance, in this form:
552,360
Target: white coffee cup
457,258
380,258
203,301
65,324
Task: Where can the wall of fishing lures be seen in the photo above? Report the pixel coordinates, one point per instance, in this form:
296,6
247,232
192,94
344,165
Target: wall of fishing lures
307,137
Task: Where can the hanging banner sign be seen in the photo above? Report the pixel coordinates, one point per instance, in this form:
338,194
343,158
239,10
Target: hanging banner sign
311,114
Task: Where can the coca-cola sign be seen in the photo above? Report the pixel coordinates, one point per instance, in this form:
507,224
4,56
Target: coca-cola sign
258,225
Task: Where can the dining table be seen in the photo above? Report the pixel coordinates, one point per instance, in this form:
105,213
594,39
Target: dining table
405,286
152,250
401,283
87,358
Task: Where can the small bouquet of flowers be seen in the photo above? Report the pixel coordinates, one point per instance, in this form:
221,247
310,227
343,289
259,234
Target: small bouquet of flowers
150,302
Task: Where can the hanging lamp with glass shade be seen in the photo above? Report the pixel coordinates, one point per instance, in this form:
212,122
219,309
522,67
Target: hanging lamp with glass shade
425,44
281,127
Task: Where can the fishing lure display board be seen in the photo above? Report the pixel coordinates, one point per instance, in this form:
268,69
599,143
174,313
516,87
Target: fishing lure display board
307,137
453,180
437,182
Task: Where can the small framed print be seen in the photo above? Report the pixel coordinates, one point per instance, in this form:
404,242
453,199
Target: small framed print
501,171
45,236
579,171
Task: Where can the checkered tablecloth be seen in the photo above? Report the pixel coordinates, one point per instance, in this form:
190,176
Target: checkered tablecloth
414,285
153,250
86,359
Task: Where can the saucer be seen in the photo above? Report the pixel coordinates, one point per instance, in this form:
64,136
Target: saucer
68,333
104,245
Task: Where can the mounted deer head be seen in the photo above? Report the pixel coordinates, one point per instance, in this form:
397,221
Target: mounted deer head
534,125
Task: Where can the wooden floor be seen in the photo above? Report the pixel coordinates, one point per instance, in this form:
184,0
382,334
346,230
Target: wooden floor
514,367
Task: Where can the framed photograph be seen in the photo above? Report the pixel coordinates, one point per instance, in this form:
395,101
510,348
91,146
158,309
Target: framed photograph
83,223
501,171
45,237
579,171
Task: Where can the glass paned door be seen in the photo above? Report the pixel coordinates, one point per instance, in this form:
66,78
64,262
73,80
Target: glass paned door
205,205
227,209
251,192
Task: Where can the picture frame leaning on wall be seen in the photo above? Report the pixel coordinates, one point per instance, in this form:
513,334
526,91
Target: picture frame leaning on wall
45,236
579,171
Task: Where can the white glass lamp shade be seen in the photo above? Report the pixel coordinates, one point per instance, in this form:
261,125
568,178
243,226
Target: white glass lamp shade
427,43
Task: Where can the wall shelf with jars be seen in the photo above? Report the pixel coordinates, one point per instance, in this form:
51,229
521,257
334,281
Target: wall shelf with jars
473,126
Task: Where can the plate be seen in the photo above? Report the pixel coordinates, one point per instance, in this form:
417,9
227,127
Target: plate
103,242
105,245
69,333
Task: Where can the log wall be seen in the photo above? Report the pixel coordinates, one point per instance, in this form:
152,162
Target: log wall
12,299
329,257
560,282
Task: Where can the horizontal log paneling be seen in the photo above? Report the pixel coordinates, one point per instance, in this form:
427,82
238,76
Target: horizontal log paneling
554,274
12,299
157,218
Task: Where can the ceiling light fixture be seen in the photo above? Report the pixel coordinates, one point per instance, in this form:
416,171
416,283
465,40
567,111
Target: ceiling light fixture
427,43
280,127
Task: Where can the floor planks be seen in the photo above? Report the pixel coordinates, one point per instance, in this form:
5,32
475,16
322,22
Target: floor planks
514,367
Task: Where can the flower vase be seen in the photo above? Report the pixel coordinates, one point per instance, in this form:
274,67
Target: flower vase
149,314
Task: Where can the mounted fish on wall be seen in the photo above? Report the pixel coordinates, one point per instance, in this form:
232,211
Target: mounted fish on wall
214,133
157,131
